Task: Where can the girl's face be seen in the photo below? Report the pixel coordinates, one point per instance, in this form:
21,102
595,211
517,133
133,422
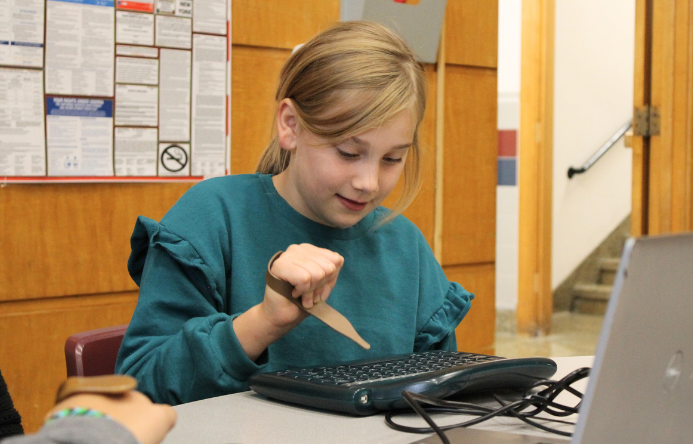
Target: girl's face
338,184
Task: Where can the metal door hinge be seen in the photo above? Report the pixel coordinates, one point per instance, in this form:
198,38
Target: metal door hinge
646,121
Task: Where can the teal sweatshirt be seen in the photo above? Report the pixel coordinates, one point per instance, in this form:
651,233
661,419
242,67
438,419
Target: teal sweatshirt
205,264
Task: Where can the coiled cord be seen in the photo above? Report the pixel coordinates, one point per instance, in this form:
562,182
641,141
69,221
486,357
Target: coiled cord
526,409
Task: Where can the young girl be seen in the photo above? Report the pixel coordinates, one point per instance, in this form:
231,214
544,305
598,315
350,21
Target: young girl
349,104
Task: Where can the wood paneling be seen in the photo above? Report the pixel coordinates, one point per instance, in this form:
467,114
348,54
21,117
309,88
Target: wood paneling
471,33
61,242
682,118
535,300
70,239
470,174
661,148
641,96
254,82
33,338
440,149
422,210
670,195
279,23
476,333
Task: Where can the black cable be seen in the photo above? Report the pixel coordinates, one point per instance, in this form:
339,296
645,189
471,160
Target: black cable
526,409
504,411
420,410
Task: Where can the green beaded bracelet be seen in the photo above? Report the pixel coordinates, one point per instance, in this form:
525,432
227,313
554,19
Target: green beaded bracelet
76,411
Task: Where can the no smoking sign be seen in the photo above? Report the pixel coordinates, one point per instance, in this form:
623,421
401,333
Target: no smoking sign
174,159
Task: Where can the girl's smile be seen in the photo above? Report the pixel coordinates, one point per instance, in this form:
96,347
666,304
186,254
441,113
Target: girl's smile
352,204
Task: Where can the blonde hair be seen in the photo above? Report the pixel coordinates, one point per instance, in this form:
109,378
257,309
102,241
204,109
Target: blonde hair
352,77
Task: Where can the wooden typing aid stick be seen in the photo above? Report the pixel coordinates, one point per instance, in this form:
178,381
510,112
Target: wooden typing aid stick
321,310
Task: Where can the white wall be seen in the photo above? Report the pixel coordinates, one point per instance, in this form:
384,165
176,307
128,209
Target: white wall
509,33
507,197
593,88
593,97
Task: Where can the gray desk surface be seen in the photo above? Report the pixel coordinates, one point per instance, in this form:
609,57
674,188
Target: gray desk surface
247,417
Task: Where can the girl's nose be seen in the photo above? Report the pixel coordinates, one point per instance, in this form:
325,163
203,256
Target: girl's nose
365,178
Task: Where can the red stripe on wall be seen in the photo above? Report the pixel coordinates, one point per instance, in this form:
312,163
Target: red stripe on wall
507,143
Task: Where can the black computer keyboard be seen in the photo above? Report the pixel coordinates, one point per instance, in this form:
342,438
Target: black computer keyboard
367,387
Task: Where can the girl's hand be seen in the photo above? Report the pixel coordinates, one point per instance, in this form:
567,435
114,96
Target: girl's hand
312,271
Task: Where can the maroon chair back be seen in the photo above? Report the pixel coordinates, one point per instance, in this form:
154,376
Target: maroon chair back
93,352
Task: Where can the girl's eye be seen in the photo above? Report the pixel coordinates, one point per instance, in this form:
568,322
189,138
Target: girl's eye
392,159
347,155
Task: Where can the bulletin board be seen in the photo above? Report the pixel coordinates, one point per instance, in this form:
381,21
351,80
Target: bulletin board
114,90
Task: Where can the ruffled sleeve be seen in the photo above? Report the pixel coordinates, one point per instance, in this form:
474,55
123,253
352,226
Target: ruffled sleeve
442,304
180,344
151,234
439,331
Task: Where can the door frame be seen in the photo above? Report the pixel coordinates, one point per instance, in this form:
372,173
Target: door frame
663,161
535,298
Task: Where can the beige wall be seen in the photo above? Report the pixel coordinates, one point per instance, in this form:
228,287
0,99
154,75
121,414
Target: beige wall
593,97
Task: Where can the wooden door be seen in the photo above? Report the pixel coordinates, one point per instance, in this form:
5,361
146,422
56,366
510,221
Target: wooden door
535,299
663,156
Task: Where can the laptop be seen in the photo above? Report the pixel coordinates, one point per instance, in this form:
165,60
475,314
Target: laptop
640,389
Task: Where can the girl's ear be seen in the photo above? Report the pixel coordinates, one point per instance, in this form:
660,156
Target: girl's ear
287,125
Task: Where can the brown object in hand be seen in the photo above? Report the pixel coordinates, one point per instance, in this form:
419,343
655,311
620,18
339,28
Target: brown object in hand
101,385
321,310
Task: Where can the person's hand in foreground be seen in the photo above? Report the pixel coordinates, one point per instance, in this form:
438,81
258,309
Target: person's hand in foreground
148,422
